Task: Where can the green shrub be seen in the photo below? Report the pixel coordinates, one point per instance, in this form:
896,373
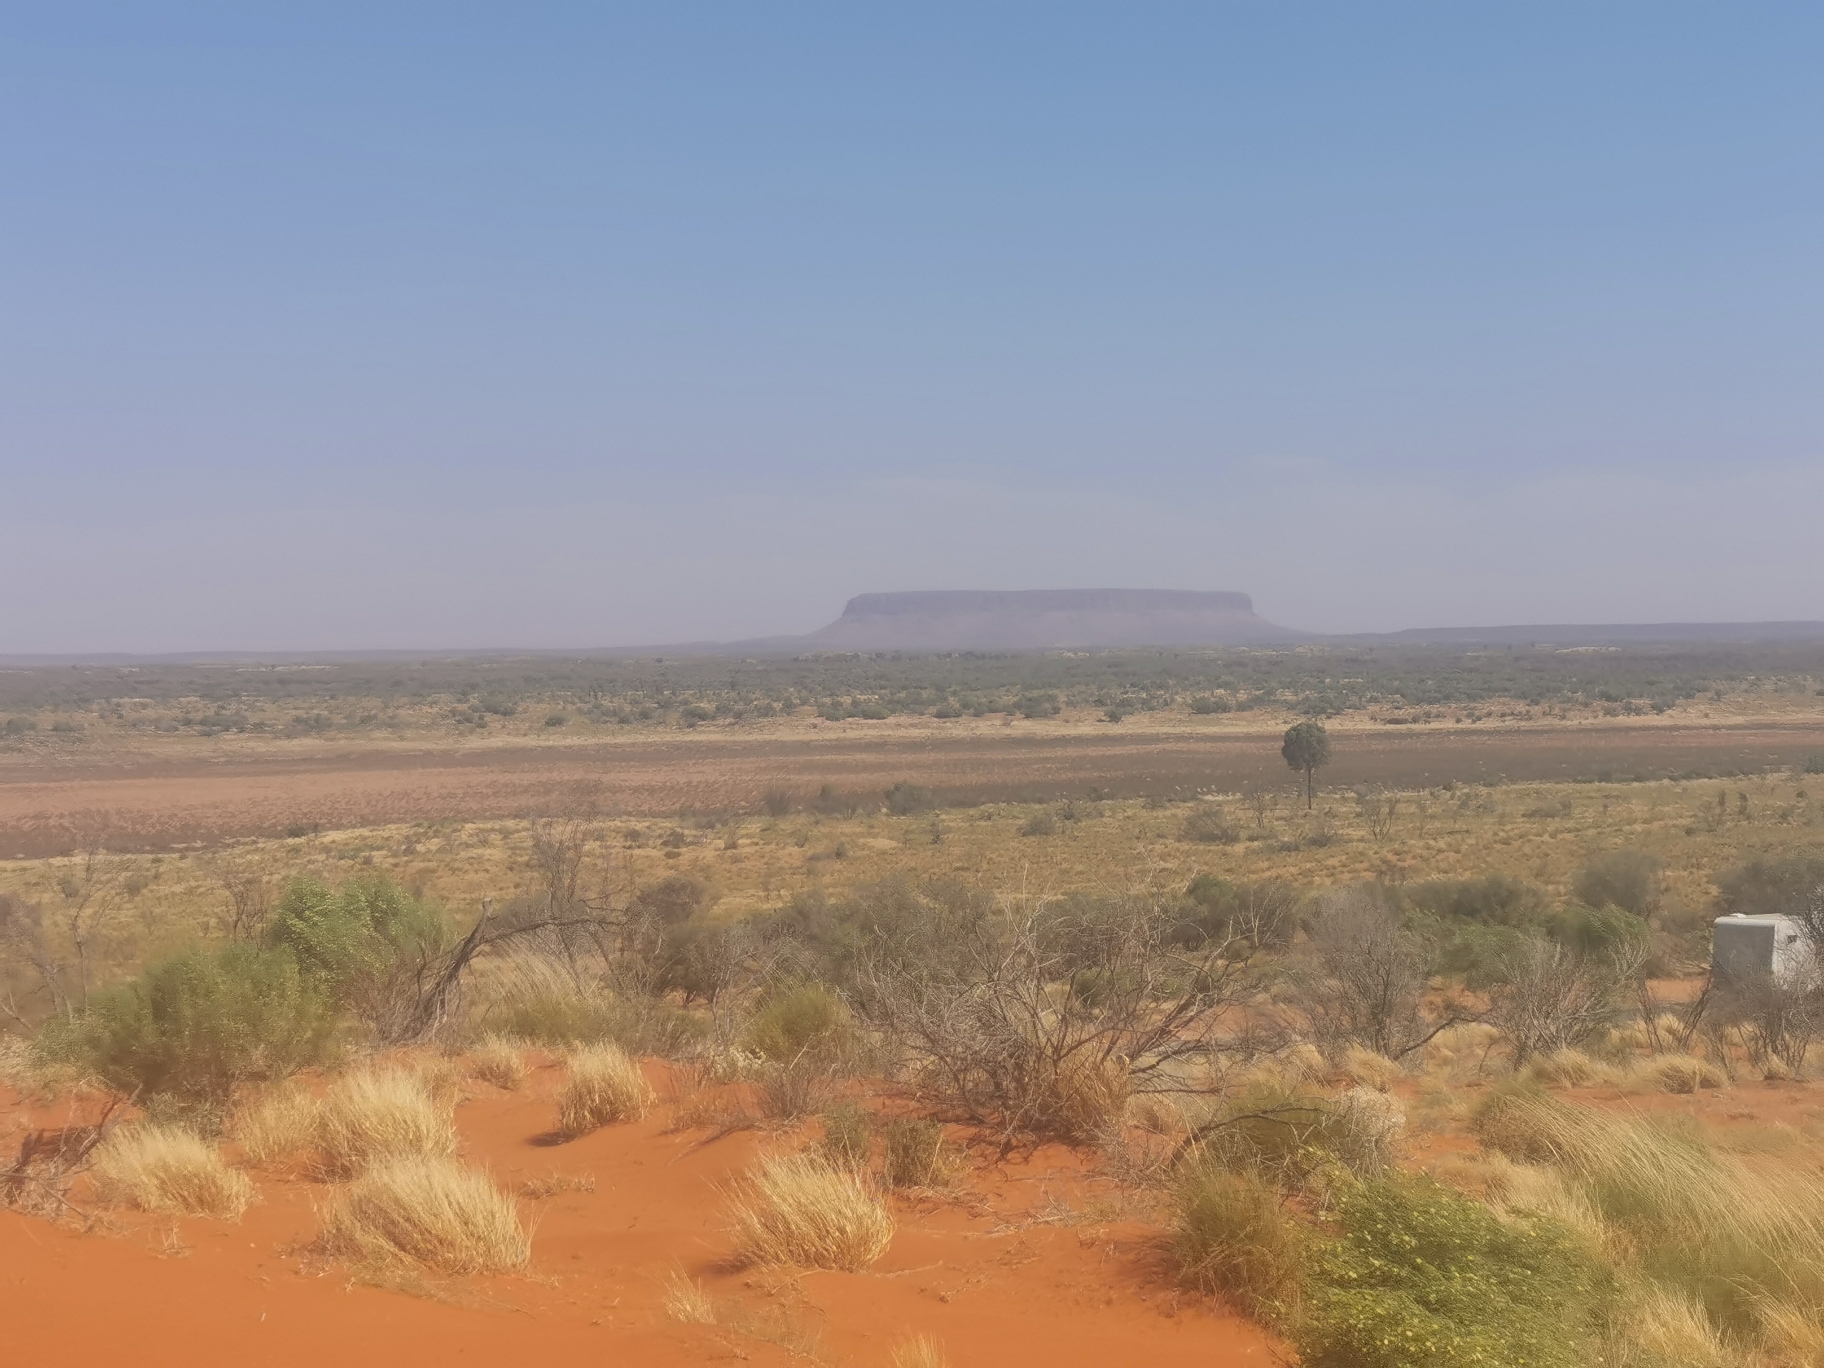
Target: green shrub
1232,1238
1423,1278
196,1024
369,943
1040,824
805,1019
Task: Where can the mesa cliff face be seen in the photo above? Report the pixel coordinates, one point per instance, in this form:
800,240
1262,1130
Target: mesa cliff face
1045,619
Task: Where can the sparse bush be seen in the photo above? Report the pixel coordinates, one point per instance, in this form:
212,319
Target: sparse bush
1209,825
799,1211
1232,1238
168,1168
1040,824
431,1211
195,1025
603,1086
848,1136
1628,879
1551,999
798,1087
1773,886
977,1012
904,799
1423,1278
1364,977
380,1114
915,1152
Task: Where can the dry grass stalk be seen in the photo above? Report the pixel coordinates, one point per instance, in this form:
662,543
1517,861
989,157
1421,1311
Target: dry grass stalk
604,1086
800,1211
378,1115
428,1210
167,1168
277,1124
1670,1327
500,1062
688,1301
921,1351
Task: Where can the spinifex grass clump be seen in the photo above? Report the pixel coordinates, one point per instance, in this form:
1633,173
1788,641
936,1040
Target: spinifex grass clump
1742,1239
167,1168
428,1210
1232,1237
499,1061
380,1114
604,1086
800,1211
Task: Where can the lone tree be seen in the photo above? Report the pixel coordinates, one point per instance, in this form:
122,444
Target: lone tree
1307,748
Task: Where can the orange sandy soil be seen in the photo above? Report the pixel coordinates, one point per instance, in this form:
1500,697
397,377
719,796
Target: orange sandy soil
199,794
1027,1262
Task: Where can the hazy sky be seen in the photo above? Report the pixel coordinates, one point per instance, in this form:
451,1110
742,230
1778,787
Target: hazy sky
374,325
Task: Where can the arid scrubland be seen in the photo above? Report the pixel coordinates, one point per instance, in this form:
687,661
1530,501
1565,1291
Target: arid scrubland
1421,1074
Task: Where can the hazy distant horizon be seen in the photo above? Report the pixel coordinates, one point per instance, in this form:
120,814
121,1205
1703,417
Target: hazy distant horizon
338,329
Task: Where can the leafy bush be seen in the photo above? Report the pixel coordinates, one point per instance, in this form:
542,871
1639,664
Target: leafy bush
198,1023
1424,1278
1040,824
369,943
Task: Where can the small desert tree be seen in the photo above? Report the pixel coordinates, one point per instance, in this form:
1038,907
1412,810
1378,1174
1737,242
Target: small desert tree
1307,748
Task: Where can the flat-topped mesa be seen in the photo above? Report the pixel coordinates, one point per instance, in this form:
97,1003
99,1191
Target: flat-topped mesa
1046,619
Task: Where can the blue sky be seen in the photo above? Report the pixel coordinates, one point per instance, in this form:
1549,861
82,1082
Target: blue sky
560,325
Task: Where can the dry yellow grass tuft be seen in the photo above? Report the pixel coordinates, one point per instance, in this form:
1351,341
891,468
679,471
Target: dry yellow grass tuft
167,1168
1570,1069
377,1114
499,1061
1670,1327
604,1086
688,1301
1371,1070
277,1124
921,1351
800,1211
431,1211
1676,1074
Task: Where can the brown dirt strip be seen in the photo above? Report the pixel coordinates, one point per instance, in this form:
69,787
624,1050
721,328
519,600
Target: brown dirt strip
159,804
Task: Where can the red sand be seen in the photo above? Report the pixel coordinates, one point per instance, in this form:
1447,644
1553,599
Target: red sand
989,1273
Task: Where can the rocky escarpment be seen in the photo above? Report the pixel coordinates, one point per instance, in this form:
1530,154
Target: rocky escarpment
1046,619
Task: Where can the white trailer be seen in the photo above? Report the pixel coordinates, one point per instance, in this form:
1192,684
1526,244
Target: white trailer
1745,948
